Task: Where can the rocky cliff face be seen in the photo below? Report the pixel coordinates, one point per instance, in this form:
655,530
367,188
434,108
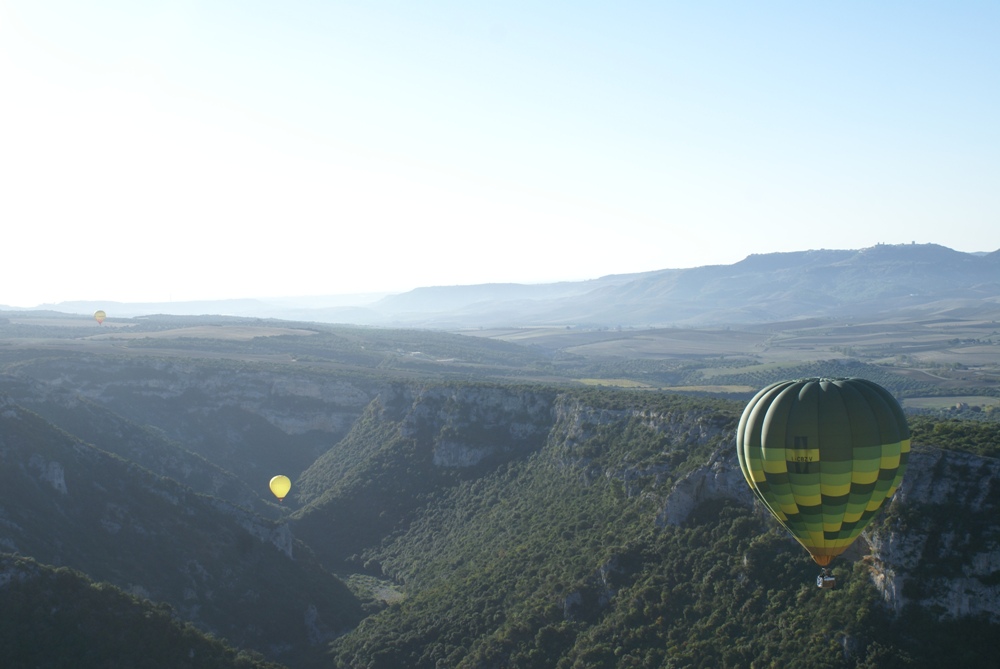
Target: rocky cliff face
251,421
465,425
577,422
288,397
936,545
721,478
939,545
137,443
576,425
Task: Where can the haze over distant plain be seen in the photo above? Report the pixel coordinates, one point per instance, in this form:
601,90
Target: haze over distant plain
213,150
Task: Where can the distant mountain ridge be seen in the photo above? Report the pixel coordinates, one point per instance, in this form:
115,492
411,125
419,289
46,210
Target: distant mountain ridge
760,288
911,279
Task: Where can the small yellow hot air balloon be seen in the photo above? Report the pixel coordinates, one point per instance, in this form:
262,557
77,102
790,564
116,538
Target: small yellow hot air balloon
280,485
99,316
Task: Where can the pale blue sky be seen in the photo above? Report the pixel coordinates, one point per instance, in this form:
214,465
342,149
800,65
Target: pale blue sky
204,150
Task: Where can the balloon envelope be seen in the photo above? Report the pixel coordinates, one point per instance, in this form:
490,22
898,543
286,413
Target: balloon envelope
99,316
280,485
823,455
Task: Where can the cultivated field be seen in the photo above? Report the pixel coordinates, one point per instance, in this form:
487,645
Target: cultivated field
956,358
931,363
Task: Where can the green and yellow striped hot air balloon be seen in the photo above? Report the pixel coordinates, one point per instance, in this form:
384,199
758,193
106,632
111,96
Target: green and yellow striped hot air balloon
823,455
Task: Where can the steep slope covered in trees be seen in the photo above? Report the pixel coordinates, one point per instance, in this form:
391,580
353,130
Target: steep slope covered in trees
413,442
629,539
58,617
85,418
65,502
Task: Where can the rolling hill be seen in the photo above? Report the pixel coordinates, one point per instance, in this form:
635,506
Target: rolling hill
826,283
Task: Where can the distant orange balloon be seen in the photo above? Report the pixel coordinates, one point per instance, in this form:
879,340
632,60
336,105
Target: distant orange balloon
99,316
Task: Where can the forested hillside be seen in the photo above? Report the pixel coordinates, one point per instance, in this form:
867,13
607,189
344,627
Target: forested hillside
593,551
68,503
438,520
58,617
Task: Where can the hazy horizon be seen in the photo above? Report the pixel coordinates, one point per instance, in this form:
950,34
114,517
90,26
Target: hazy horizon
280,305
218,150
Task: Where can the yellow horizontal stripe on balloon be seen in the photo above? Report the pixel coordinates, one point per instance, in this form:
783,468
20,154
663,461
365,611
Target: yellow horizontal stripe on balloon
775,466
832,522
862,476
890,461
835,489
852,517
758,475
890,450
875,504
808,499
817,550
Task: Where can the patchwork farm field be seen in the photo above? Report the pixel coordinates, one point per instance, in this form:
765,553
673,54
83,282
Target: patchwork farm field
947,360
930,363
